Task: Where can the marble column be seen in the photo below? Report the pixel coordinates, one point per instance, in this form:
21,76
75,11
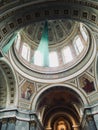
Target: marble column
91,122
4,124
22,125
11,124
33,125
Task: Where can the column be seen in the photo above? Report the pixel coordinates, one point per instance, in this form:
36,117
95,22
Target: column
22,125
4,124
91,122
11,124
33,125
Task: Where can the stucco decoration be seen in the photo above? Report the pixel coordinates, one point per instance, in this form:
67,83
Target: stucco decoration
91,70
72,82
58,30
7,84
20,79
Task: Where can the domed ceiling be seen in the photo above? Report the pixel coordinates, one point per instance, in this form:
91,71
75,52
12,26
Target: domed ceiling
58,30
65,44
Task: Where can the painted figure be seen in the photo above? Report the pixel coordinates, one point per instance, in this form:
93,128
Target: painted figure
88,85
27,93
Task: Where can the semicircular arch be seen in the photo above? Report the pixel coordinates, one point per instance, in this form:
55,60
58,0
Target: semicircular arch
67,86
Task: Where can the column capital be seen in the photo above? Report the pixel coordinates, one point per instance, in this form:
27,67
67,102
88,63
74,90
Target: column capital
33,123
88,111
12,119
89,117
4,120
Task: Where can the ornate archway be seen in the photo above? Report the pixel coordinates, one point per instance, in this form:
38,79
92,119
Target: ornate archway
59,103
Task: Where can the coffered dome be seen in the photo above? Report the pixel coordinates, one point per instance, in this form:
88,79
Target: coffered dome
60,51
58,31
66,41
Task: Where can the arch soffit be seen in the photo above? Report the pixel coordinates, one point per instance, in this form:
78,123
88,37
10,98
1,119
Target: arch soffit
79,93
11,83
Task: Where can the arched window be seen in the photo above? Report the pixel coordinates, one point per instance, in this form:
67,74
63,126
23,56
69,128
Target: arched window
17,41
25,52
53,59
38,58
78,45
84,33
67,54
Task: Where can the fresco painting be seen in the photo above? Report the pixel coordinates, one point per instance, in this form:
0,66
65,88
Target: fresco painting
87,84
27,90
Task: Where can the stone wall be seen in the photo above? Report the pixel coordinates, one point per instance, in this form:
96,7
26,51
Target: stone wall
16,120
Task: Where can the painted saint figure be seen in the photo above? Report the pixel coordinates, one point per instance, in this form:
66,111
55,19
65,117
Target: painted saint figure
28,93
88,85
